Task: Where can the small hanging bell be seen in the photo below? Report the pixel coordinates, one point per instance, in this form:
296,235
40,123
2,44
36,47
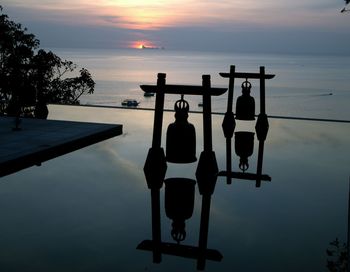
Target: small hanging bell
244,147
245,105
179,204
181,136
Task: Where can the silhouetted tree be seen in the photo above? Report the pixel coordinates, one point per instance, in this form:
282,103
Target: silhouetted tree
338,256
31,77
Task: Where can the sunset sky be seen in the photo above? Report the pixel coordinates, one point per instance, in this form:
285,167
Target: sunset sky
298,26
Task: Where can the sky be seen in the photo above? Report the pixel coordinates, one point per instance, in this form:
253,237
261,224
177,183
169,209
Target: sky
269,26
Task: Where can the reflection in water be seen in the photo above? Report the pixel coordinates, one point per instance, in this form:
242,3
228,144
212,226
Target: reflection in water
180,148
179,204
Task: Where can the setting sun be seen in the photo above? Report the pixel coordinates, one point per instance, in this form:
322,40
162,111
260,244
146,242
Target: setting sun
141,44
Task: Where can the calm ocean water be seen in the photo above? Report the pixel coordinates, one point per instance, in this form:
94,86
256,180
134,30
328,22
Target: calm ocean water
304,85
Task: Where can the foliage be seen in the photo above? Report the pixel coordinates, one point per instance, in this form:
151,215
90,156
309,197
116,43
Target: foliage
338,254
29,75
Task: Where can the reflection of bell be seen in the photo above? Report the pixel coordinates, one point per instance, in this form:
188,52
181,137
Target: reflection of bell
179,203
181,136
244,146
245,106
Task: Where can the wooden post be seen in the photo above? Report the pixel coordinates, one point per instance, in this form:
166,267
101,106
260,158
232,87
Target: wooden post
155,191
156,225
262,90
230,117
207,114
203,231
207,138
206,174
158,113
260,163
231,86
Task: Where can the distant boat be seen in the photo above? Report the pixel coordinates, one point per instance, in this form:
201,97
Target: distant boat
130,103
148,94
150,47
200,104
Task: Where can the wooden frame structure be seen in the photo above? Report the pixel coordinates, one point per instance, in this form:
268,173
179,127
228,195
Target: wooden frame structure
207,170
206,174
261,126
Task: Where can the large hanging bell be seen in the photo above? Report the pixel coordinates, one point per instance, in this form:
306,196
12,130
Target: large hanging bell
244,147
245,105
181,136
179,204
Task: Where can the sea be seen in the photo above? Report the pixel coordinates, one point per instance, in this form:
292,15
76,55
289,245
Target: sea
304,86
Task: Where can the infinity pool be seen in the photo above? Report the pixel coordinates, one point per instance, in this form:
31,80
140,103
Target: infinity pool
90,209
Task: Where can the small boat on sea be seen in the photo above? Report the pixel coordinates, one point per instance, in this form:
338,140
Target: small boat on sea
148,94
130,103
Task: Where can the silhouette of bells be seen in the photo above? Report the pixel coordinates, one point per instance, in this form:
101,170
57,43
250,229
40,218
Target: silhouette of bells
244,147
245,105
179,203
181,136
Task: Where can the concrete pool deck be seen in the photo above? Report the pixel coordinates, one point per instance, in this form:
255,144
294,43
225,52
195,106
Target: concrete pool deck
40,140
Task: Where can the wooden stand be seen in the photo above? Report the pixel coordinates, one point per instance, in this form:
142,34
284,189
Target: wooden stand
261,127
206,174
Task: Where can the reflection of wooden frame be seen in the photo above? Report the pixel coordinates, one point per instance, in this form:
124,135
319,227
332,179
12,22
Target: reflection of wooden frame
261,126
155,169
201,253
